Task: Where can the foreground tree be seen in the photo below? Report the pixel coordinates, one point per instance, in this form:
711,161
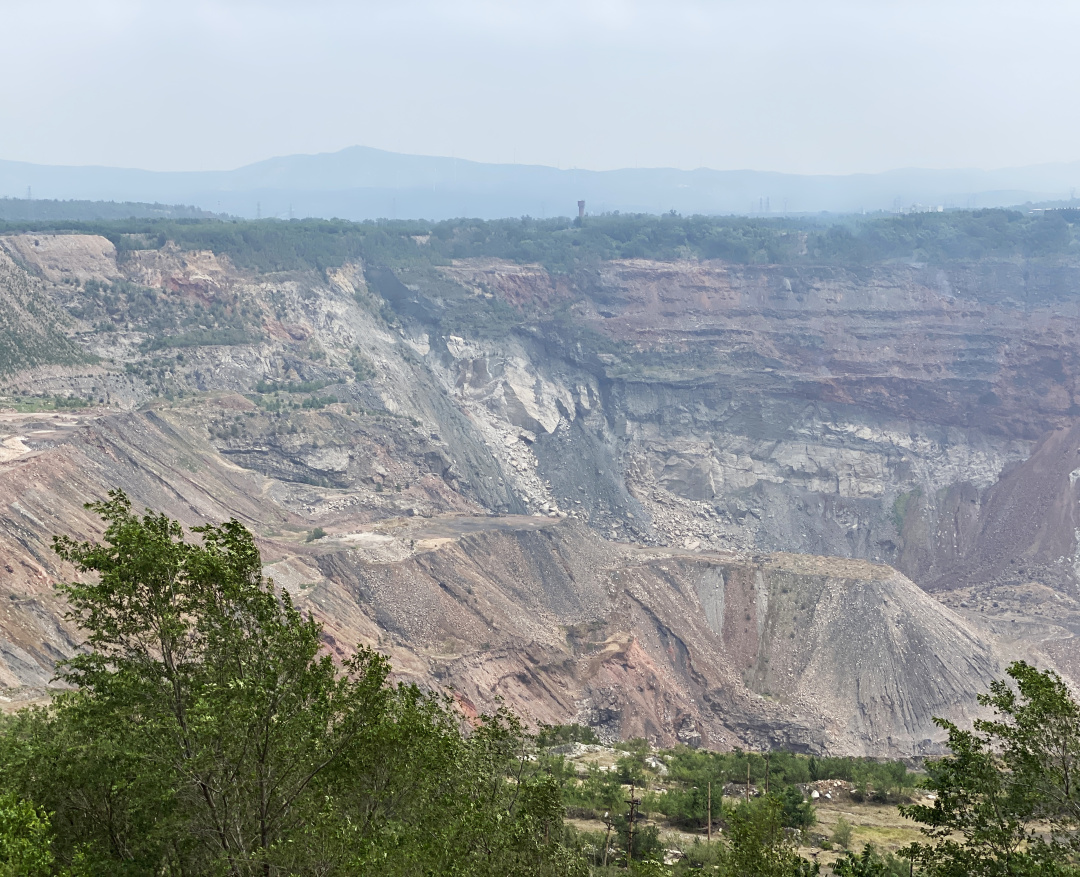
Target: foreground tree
25,840
1007,800
760,845
869,863
209,731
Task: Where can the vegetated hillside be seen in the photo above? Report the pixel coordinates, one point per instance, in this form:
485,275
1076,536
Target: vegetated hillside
38,209
561,245
654,494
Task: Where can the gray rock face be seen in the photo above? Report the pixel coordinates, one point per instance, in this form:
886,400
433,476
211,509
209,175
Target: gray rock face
710,461
744,407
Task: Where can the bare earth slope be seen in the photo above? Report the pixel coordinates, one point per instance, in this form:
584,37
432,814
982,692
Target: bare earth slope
819,654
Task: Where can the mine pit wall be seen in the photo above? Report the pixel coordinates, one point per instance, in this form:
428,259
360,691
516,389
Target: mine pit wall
1022,532
849,412
727,467
775,447
792,475
846,411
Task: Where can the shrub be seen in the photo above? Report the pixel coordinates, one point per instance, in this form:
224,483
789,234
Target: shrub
841,835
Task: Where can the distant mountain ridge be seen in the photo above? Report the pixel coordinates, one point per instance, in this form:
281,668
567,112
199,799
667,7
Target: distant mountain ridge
364,183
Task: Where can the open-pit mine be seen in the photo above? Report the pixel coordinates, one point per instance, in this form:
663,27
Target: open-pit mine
722,504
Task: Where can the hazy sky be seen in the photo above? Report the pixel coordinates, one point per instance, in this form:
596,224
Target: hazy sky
808,86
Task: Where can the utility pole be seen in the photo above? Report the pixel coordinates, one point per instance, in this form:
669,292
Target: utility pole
768,755
608,821
747,777
633,801
710,812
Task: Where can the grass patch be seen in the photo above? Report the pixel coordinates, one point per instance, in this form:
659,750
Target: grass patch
901,505
33,404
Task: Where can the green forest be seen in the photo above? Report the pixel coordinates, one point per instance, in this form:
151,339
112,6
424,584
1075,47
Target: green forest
208,728
564,245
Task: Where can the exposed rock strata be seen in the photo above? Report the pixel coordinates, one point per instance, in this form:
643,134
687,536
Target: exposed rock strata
578,515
